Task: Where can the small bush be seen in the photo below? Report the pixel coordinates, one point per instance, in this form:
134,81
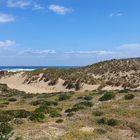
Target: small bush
79,106
19,138
84,104
37,102
124,91
18,121
59,121
102,121
80,97
5,131
5,117
129,96
97,113
35,116
107,96
12,99
88,98
70,114
18,113
71,110
100,130
63,97
112,122
55,114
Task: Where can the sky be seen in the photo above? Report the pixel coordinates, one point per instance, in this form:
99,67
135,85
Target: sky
68,32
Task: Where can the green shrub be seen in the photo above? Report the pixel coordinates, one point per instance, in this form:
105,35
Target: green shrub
71,110
124,91
106,121
79,106
5,103
5,117
44,103
55,114
19,138
18,113
84,104
107,96
100,130
102,121
129,96
63,97
112,122
37,102
41,109
5,131
97,113
36,116
70,114
80,97
12,99
59,121
18,121
88,98
49,103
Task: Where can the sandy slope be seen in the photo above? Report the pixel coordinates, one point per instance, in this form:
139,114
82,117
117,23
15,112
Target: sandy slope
16,81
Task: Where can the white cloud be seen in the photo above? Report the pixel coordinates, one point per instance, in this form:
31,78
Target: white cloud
37,52
130,46
102,52
7,43
19,3
37,7
24,4
5,18
116,14
59,9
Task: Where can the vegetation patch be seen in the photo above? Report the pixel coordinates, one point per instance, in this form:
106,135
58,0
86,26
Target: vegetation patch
107,96
106,121
97,113
5,131
63,97
36,116
129,96
59,121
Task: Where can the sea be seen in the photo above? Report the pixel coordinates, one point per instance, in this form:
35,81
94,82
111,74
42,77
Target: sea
30,68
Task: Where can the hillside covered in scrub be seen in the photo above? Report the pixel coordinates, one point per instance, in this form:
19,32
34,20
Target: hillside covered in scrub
96,102
90,115
106,75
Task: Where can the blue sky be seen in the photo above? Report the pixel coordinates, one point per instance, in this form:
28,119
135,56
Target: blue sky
68,32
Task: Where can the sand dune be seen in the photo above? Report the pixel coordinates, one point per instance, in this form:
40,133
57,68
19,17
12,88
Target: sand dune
16,81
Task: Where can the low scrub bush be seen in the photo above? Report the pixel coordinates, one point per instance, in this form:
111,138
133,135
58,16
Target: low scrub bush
63,97
59,121
100,130
36,116
55,114
112,122
88,98
79,106
106,121
70,114
12,99
97,113
102,121
5,117
5,131
18,121
129,96
18,113
107,96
